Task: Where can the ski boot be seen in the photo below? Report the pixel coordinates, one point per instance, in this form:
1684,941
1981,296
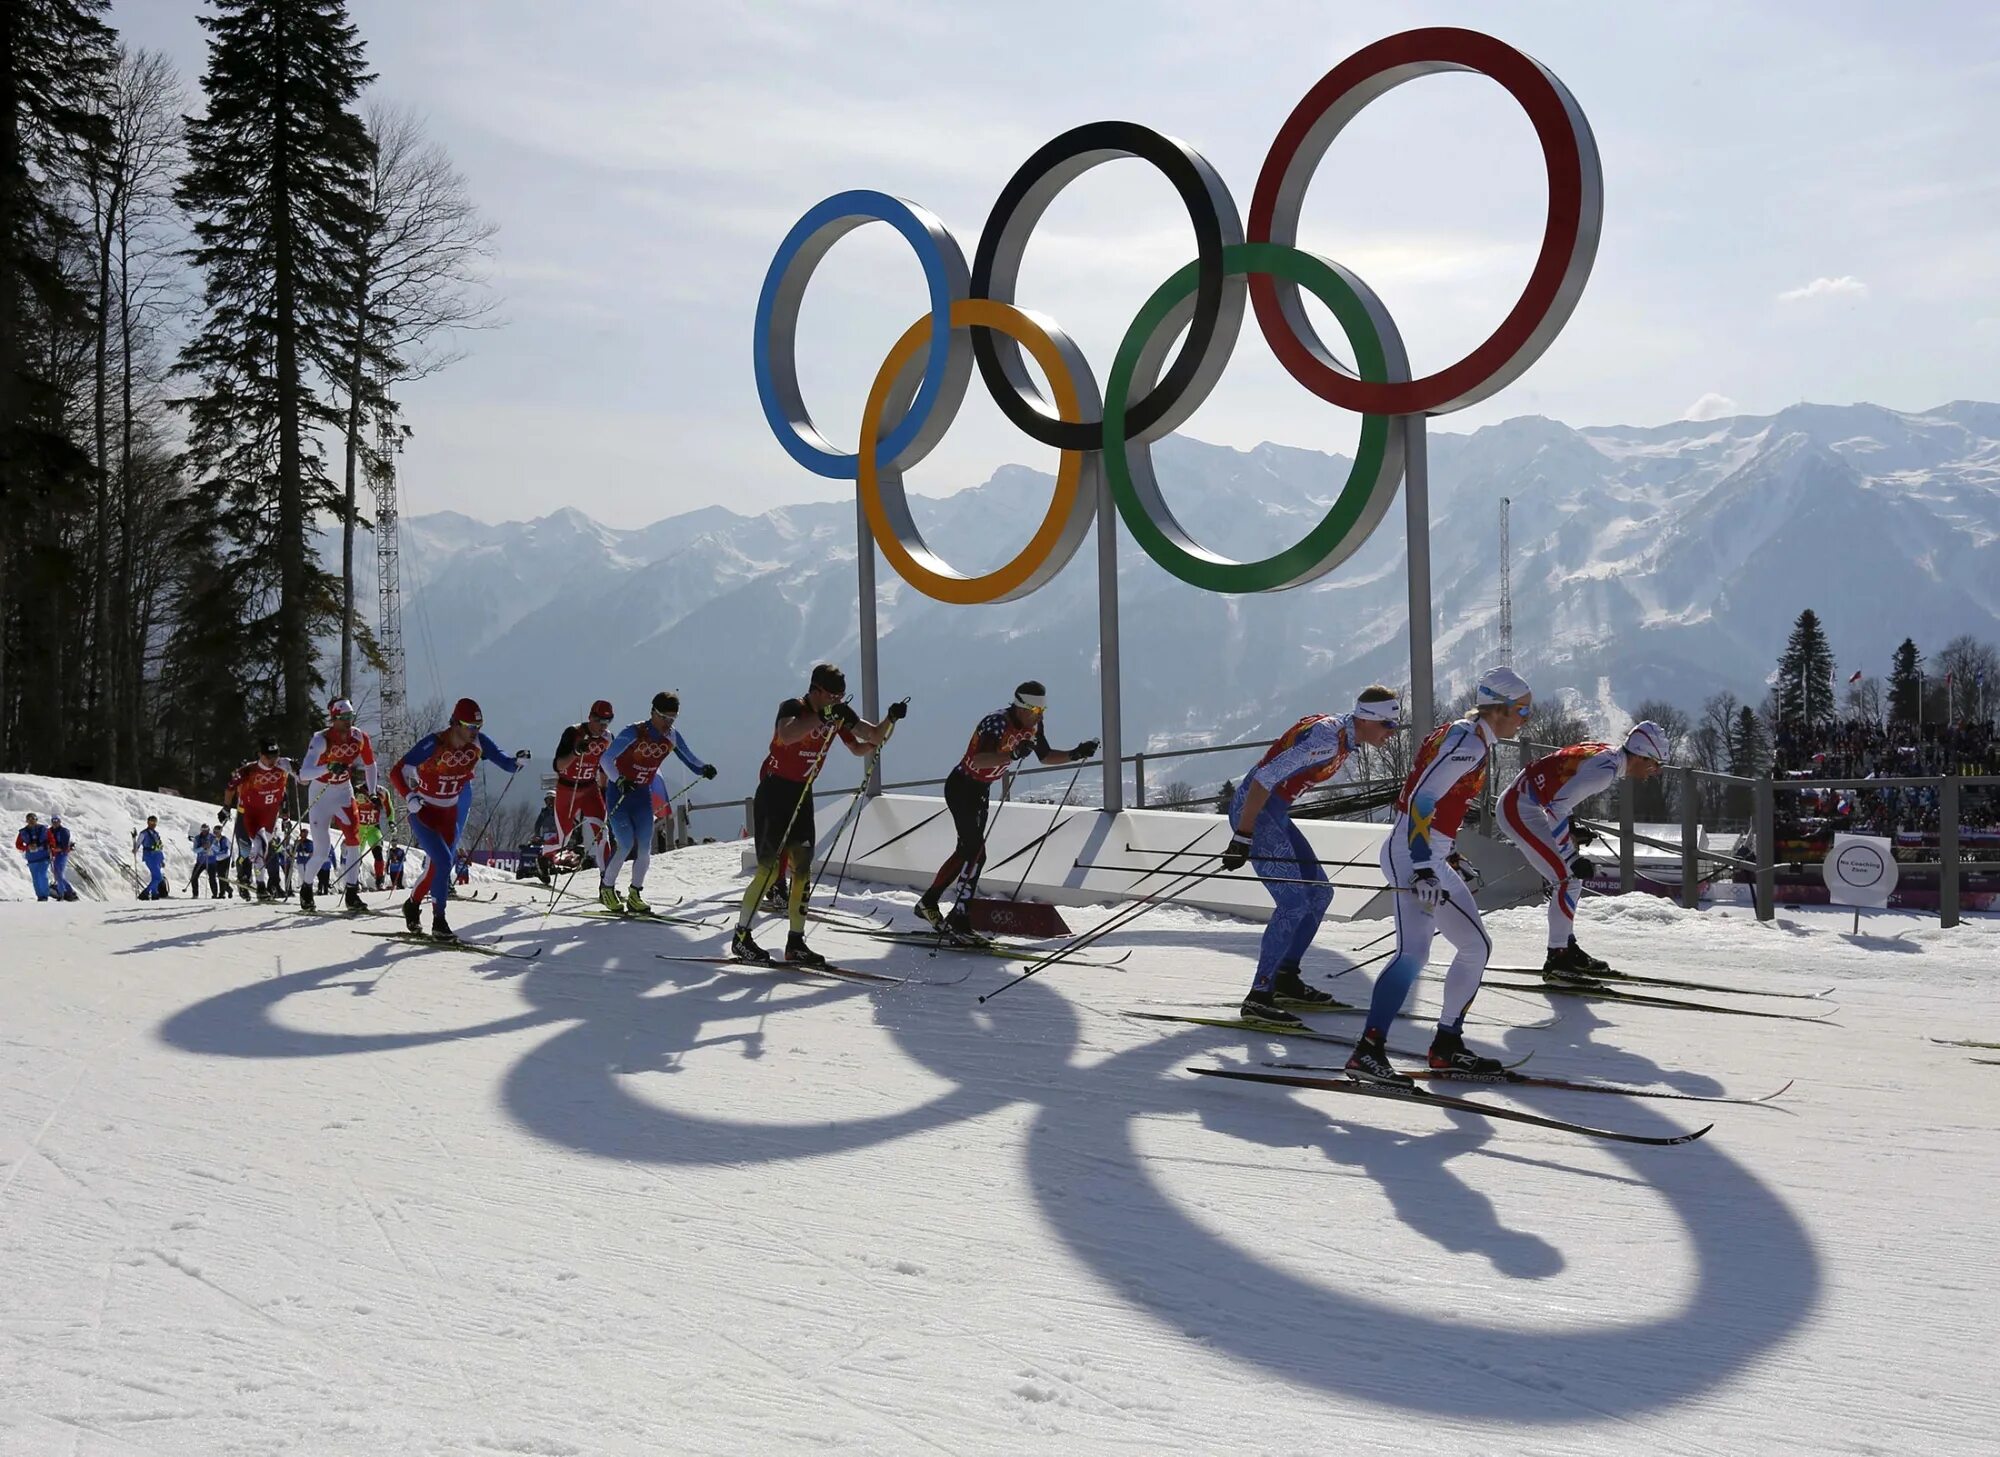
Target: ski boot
1450,1054
1261,1007
1370,1063
635,904
1595,963
440,929
744,948
306,902
929,912
1568,963
778,896
413,918
797,953
352,901
1290,986
608,898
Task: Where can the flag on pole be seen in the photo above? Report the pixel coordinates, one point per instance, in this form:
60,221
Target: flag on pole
1857,676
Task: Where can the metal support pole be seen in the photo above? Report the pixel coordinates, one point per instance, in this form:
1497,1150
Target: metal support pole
1948,850
1417,526
1139,781
1628,876
871,677
1690,828
1110,718
1763,830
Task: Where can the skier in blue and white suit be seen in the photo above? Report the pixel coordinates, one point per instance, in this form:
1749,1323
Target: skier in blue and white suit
1310,752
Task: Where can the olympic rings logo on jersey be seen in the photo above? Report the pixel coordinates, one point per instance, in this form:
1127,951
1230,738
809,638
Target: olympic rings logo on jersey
972,318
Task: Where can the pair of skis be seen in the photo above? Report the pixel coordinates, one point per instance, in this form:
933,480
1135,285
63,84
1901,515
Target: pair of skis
471,948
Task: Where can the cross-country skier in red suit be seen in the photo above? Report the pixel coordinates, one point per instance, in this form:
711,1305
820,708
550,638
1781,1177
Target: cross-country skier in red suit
435,780
579,798
257,793
335,756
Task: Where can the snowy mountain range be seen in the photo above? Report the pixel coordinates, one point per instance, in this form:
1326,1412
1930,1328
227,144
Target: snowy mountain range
1664,561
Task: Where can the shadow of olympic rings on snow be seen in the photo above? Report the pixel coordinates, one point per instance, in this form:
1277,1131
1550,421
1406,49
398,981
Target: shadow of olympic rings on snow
1755,1276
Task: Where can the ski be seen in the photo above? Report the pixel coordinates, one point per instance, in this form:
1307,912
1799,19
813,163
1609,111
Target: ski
418,938
932,941
600,913
1269,1029
842,973
1657,981
1531,1080
1966,1042
1599,992
1445,1100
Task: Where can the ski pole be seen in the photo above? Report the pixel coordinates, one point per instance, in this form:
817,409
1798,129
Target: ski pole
1054,820
492,810
1241,878
1117,921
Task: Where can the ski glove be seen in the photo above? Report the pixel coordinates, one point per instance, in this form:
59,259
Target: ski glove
898,711
708,771
1237,853
1085,750
1467,871
1581,867
521,757
1022,750
1582,834
1424,886
840,715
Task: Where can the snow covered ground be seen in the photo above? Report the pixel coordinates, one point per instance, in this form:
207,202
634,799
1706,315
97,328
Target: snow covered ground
270,1187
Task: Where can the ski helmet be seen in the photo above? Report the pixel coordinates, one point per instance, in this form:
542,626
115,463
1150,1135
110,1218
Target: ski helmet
666,703
602,709
1648,740
466,713
339,709
829,679
1501,687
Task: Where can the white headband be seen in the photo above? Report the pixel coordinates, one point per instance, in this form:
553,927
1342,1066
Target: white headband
1030,700
1388,711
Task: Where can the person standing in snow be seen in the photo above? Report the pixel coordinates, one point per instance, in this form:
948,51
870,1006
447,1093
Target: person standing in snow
218,861
397,856
1427,880
579,793
1536,810
32,840
198,841
256,791
336,754
1308,753
153,851
435,780
783,809
625,773
59,848
1000,740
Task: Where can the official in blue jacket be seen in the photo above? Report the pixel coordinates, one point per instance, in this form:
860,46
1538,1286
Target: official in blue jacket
33,842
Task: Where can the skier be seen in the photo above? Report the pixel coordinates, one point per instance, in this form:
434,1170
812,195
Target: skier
625,772
1427,879
198,842
32,840
435,780
59,848
462,868
783,807
396,857
579,797
1001,740
368,828
257,792
218,861
1536,809
336,753
153,851
1308,753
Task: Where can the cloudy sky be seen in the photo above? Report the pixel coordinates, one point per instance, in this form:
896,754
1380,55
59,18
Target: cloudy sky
1801,202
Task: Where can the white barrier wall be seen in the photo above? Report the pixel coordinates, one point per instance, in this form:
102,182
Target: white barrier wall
903,838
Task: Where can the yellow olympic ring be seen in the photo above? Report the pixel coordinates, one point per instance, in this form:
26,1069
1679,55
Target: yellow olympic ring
1071,511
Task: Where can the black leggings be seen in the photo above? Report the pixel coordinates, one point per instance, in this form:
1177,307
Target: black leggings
969,801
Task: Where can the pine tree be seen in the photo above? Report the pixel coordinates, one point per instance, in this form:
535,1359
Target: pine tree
1906,683
1805,675
55,58
1749,745
277,193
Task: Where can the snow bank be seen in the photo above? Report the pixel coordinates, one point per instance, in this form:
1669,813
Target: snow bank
102,820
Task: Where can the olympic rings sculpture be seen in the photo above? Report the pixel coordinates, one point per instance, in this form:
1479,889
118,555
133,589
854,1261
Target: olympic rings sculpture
973,319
